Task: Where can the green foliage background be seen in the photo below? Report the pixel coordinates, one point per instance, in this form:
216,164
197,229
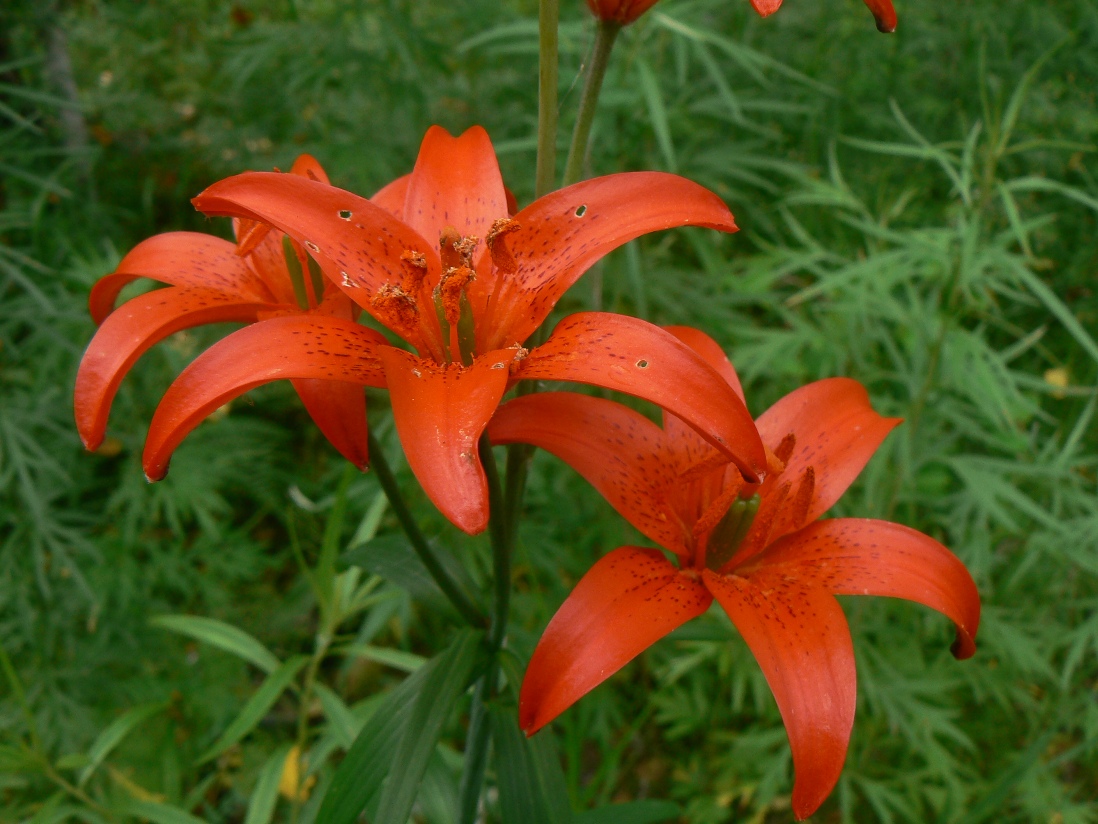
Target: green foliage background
918,212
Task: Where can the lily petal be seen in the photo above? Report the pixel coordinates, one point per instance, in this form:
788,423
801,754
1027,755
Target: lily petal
711,353
626,602
766,7
562,234
633,356
861,556
837,433
187,259
293,346
339,411
618,451
129,331
690,450
884,14
308,166
357,243
440,413
800,638
456,182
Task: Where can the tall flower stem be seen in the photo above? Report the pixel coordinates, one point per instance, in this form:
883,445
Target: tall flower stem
476,744
605,36
548,62
419,543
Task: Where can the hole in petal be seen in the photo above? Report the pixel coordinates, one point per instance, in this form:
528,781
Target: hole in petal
312,246
499,366
347,282
581,211
345,214
642,364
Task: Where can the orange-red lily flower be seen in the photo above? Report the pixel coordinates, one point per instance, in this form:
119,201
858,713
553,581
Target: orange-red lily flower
214,281
758,549
626,11
438,259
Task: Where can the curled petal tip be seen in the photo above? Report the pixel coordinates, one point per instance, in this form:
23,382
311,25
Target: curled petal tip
884,13
964,647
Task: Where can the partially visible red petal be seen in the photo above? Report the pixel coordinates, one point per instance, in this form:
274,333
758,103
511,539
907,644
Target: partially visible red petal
620,452
766,7
455,182
633,356
884,14
562,234
391,196
860,556
837,433
294,346
188,259
711,353
626,602
339,411
130,331
440,413
800,638
357,243
308,166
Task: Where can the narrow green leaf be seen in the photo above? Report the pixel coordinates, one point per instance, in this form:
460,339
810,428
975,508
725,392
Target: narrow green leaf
395,658
256,707
657,112
358,781
1059,309
261,805
631,812
429,711
112,736
342,720
221,635
532,787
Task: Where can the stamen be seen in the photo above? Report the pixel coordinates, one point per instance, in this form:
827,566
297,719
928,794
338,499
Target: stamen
798,509
397,309
447,248
451,288
465,247
502,258
415,270
785,449
249,235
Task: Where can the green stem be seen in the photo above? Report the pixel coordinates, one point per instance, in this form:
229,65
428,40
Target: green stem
476,744
548,61
605,36
323,640
441,577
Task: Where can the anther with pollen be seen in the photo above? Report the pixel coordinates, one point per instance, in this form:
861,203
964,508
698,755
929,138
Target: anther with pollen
397,309
502,258
415,270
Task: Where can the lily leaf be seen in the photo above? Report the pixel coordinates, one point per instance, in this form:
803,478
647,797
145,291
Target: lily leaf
532,787
257,706
112,736
388,758
221,635
261,805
